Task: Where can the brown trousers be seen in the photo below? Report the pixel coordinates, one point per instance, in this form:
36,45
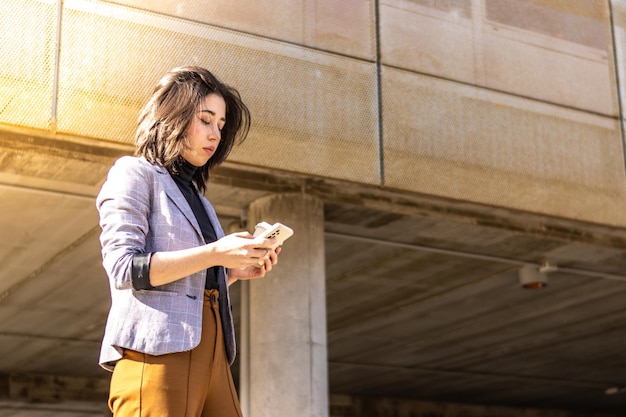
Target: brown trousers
197,383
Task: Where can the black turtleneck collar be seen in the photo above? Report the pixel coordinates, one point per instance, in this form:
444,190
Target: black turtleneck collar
184,170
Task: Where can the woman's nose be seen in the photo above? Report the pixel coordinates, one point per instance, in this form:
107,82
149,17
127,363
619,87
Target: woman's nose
214,133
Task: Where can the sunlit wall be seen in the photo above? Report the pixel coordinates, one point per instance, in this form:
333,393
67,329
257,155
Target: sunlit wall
512,103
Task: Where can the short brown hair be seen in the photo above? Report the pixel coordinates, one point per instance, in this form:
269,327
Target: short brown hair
165,118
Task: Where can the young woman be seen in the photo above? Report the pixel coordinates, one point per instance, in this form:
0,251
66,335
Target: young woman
169,338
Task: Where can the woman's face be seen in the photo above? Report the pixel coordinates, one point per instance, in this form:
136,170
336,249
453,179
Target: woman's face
204,132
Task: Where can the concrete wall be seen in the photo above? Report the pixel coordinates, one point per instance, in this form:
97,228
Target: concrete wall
511,103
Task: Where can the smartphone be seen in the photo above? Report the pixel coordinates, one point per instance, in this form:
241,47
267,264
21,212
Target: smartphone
277,231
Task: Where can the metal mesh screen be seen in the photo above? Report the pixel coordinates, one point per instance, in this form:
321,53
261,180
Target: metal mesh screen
462,142
28,34
316,113
345,27
301,100
542,137
559,52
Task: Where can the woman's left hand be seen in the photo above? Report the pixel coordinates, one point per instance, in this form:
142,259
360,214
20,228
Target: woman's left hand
253,272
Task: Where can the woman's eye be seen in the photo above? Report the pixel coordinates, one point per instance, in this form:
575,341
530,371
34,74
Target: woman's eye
209,123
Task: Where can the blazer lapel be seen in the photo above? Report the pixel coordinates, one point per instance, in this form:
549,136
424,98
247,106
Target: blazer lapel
177,197
213,217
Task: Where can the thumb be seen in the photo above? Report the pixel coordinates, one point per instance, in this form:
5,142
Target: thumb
244,235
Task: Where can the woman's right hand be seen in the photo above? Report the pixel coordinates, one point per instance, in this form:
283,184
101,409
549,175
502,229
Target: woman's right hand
240,250
235,251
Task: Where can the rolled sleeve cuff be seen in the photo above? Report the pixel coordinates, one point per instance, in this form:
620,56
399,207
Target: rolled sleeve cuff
141,272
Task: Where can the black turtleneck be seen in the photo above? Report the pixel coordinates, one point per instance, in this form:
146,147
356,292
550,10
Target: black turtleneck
183,177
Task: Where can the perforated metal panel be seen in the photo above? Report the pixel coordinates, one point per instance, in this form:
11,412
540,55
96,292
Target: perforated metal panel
112,59
458,141
316,113
312,110
554,51
27,47
345,27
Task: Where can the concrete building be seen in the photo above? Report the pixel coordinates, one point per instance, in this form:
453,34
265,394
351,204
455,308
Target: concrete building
429,154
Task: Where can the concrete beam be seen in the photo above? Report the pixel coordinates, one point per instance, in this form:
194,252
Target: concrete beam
353,406
52,389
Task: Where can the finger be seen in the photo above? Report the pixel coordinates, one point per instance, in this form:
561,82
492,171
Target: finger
262,264
273,257
262,242
267,264
261,252
243,234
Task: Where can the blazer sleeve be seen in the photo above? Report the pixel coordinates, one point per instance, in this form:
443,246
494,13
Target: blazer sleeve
124,206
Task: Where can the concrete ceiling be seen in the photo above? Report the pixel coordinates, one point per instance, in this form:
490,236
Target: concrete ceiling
423,300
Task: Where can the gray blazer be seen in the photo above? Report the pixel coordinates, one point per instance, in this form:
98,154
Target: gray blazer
142,210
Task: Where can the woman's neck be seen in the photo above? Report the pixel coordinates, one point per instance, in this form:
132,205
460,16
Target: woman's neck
184,170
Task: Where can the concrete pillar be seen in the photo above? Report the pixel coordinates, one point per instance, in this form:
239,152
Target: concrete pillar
284,360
